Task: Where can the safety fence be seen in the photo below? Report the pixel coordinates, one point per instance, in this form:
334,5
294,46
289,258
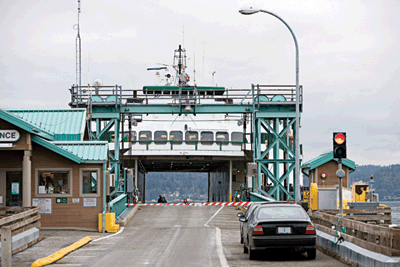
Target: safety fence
192,204
18,222
361,227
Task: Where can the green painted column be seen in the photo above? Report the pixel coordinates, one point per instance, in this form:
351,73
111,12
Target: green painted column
98,127
258,153
276,163
116,149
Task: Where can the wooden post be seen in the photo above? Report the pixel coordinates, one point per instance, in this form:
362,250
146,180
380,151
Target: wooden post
6,246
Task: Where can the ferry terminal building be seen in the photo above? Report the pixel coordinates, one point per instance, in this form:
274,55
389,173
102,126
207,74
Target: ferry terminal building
45,161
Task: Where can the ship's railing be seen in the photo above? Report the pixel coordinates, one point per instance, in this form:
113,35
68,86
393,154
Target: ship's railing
115,95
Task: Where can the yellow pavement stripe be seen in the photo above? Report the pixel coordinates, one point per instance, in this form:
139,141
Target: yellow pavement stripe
61,253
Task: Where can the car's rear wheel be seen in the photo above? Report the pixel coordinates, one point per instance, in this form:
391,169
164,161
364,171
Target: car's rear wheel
252,254
311,253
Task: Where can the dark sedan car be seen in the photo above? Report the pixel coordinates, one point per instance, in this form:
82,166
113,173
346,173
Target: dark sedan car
249,210
279,225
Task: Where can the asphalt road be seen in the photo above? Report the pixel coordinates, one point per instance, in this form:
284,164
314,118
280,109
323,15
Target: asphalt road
181,236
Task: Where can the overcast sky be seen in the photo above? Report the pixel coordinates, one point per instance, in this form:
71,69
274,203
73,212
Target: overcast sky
349,57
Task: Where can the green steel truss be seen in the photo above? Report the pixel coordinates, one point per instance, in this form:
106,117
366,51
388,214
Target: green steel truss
277,160
272,120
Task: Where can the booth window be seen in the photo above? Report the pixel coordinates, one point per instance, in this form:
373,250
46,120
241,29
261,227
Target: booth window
89,182
53,182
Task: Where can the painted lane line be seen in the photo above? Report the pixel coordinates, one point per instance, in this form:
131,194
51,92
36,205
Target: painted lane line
220,249
215,214
117,233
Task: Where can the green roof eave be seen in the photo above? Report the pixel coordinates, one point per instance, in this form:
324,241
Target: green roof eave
324,158
87,151
24,125
56,149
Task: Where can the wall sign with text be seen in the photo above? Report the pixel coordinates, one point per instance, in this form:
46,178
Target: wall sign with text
9,135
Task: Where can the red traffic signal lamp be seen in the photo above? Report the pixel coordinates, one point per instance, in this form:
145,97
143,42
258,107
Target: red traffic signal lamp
339,145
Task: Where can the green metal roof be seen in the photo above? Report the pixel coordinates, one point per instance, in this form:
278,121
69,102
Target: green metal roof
87,151
79,152
56,149
17,121
64,124
324,158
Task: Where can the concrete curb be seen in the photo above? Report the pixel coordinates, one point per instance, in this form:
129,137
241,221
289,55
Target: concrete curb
128,217
350,253
61,253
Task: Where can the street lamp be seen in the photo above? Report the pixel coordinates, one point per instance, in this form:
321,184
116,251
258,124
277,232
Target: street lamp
297,160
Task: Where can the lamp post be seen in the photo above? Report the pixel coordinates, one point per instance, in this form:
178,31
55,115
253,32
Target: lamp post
297,160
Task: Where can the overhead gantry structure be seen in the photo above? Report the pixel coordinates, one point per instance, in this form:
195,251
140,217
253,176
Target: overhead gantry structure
272,109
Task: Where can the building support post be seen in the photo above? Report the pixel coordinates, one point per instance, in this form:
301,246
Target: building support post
26,179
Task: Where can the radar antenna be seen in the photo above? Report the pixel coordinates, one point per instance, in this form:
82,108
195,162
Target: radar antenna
182,78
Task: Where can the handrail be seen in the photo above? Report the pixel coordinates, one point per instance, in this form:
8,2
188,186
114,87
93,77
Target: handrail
195,96
117,205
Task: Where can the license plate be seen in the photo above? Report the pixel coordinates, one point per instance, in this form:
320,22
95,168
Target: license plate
284,230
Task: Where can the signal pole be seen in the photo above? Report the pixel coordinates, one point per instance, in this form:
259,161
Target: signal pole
339,152
340,174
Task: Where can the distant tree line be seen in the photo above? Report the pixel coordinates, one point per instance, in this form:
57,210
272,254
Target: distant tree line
186,183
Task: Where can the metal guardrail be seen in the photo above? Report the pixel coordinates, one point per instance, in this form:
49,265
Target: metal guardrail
14,221
115,95
118,204
376,237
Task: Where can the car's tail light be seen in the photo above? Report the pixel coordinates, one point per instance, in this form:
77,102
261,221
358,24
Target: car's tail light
258,230
310,229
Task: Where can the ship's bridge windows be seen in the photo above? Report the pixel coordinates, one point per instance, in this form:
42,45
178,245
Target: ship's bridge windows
207,138
176,137
144,136
237,138
161,137
222,137
191,136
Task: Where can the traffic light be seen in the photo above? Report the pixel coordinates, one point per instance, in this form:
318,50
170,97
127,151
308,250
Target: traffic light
339,145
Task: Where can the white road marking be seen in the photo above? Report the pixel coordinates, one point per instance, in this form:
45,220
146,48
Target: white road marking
215,214
117,233
220,249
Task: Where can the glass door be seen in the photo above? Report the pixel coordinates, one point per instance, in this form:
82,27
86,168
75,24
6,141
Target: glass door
14,188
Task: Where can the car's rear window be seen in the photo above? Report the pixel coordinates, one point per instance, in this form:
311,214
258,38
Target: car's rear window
282,212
